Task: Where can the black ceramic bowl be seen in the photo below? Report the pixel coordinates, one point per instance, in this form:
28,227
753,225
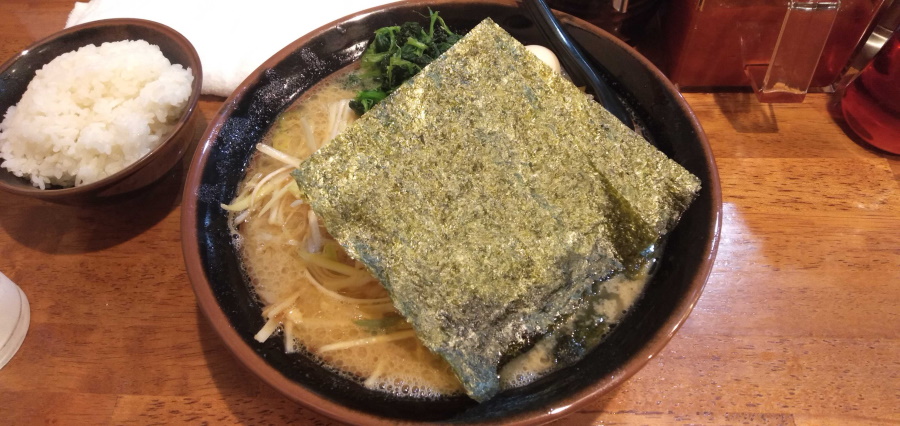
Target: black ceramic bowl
18,71
222,289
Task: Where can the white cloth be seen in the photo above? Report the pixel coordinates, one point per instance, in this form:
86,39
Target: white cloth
232,38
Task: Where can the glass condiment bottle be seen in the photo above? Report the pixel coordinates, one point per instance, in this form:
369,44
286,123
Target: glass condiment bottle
871,103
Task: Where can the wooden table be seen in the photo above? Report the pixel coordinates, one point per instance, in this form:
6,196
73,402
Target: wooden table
798,323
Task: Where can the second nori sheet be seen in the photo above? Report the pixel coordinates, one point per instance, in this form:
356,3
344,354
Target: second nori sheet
471,194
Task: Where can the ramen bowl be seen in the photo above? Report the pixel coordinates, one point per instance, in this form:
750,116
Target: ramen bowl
224,293
17,72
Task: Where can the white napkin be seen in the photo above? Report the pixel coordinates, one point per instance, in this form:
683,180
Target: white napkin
232,38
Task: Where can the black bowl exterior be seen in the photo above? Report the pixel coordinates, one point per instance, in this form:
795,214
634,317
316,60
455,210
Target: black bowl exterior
222,288
17,72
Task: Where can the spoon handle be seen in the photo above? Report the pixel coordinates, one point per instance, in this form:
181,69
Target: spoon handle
573,59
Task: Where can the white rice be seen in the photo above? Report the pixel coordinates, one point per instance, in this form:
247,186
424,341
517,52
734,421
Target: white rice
92,112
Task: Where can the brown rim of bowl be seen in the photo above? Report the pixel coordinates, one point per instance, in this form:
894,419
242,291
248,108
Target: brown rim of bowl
180,126
240,349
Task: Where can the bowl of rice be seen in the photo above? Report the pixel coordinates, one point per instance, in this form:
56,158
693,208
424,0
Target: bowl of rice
97,110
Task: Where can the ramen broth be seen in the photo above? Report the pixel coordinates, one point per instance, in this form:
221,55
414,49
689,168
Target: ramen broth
354,329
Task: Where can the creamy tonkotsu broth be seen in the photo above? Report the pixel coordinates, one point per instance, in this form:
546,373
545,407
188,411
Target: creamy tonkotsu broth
324,304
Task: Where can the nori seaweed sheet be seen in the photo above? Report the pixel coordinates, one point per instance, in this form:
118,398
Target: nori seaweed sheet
487,194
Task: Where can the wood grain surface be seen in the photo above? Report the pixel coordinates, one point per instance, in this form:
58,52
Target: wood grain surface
799,323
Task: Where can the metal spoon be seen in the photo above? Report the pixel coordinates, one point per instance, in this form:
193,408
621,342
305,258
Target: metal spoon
574,60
